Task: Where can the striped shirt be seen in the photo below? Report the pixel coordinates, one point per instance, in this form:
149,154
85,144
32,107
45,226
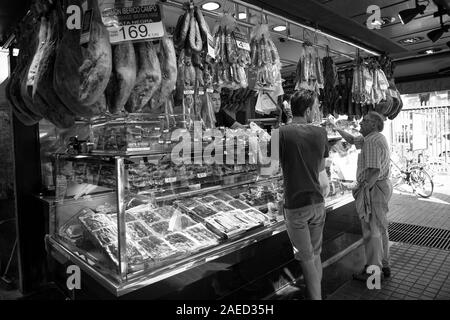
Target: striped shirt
374,154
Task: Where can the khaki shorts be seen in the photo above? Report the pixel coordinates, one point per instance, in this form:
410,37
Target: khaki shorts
305,229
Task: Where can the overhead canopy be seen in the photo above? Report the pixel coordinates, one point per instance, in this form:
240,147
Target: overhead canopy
429,85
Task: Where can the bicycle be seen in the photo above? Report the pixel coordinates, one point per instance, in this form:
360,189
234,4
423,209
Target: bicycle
415,176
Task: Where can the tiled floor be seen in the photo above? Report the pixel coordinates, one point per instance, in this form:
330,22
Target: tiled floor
406,207
418,273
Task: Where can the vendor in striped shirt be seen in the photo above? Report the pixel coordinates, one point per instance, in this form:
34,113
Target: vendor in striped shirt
373,191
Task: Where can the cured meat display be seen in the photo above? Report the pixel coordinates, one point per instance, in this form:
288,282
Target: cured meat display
265,60
232,61
310,73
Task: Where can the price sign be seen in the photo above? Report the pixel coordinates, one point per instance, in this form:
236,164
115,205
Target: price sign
202,175
210,90
242,41
189,91
137,23
170,180
211,51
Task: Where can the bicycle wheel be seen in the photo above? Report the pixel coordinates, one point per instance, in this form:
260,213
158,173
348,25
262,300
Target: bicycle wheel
421,183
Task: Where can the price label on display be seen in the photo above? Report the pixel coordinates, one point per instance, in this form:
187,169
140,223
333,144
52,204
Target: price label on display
137,23
242,41
211,51
202,175
170,180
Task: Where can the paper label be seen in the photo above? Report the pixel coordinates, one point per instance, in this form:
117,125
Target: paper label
209,90
170,180
202,175
211,51
189,91
137,23
242,41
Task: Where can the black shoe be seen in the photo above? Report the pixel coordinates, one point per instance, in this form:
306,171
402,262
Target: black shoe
386,272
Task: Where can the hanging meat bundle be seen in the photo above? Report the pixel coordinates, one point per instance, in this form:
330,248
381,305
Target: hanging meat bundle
310,73
191,38
265,61
232,61
330,96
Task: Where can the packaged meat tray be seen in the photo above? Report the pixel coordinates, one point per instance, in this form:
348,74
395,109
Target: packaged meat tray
200,233
256,215
208,199
158,249
128,217
105,236
148,217
203,211
138,230
93,222
223,196
161,227
182,241
219,206
238,204
223,228
186,221
188,203
165,212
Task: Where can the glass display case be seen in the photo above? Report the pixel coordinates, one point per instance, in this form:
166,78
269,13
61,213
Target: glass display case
130,220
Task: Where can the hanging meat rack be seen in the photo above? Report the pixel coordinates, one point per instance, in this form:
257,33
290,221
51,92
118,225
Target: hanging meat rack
239,5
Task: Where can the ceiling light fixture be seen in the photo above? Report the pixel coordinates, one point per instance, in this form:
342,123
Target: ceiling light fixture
411,40
210,6
279,28
409,14
435,35
430,51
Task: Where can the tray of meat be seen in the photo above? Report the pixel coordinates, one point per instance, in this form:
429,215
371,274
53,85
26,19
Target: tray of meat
148,217
207,199
128,217
158,249
239,217
161,227
238,204
200,233
186,221
223,227
93,222
165,212
188,203
182,241
138,230
256,215
219,206
105,236
203,211
223,196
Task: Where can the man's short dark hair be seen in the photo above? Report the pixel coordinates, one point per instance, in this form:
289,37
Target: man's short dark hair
302,100
378,118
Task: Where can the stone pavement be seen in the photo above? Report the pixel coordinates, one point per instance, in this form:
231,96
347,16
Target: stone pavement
418,272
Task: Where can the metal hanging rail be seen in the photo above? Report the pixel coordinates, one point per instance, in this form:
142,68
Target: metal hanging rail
288,22
298,24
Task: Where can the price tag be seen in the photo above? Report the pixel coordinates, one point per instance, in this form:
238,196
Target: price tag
137,23
211,51
170,180
209,90
242,41
237,168
201,92
202,175
189,91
